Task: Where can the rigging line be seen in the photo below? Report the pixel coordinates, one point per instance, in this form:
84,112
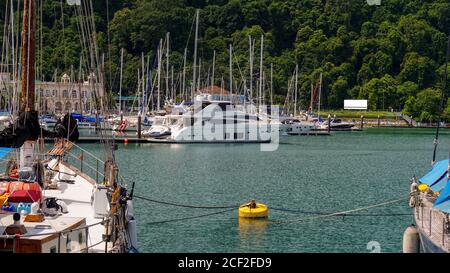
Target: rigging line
312,218
190,32
95,63
64,35
441,105
326,213
189,218
109,43
183,205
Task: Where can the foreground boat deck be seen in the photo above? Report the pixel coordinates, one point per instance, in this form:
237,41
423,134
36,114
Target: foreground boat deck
77,230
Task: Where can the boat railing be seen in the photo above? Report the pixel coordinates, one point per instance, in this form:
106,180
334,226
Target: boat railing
61,235
87,162
433,224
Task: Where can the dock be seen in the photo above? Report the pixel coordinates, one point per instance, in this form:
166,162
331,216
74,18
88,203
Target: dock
167,141
97,139
136,140
311,133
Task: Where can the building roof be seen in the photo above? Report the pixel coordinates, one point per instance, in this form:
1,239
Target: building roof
214,90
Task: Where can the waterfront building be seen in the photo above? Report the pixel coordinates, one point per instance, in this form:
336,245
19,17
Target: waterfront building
57,96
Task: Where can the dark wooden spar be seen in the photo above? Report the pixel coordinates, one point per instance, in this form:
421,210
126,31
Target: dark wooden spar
28,57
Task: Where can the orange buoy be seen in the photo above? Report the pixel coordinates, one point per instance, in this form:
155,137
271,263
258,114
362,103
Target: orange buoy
125,141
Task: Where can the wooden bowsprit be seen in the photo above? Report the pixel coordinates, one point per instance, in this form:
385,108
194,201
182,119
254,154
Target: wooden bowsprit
61,147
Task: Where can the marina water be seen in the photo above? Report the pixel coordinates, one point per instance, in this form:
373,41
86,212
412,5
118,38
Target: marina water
321,174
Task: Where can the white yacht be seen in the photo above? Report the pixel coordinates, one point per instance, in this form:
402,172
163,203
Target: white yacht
220,121
162,126
337,125
293,126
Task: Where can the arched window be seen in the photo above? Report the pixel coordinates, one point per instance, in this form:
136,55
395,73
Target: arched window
58,106
74,94
54,93
65,94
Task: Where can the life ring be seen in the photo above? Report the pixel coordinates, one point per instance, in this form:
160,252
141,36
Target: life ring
260,211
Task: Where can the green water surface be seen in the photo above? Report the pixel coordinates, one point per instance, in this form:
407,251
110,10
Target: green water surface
341,172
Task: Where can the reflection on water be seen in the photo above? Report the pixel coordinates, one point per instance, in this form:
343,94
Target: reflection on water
252,231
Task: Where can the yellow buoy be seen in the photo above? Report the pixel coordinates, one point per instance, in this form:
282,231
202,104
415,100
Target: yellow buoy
422,187
253,210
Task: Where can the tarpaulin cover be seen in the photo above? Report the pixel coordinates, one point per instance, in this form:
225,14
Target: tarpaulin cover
436,173
4,152
440,184
443,201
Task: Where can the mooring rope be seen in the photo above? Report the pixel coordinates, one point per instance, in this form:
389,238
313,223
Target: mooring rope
184,205
318,215
354,214
341,213
271,208
189,218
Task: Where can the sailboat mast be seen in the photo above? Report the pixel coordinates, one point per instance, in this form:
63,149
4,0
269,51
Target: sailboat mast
194,79
213,68
121,80
167,64
441,105
271,85
143,84
320,94
296,90
183,89
251,66
171,86
231,73
28,57
261,72
158,99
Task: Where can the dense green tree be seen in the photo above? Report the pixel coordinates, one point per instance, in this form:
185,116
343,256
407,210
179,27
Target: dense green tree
425,106
391,54
380,93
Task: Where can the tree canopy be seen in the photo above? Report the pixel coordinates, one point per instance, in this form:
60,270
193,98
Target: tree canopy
392,54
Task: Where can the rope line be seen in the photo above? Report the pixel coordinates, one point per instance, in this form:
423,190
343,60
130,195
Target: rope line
272,208
341,213
189,218
57,232
184,205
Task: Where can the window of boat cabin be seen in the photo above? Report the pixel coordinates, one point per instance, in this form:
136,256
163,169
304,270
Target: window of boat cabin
223,105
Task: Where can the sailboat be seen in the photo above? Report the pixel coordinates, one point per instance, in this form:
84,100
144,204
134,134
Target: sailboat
430,200
48,205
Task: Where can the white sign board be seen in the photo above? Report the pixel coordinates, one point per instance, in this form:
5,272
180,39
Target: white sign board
355,104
